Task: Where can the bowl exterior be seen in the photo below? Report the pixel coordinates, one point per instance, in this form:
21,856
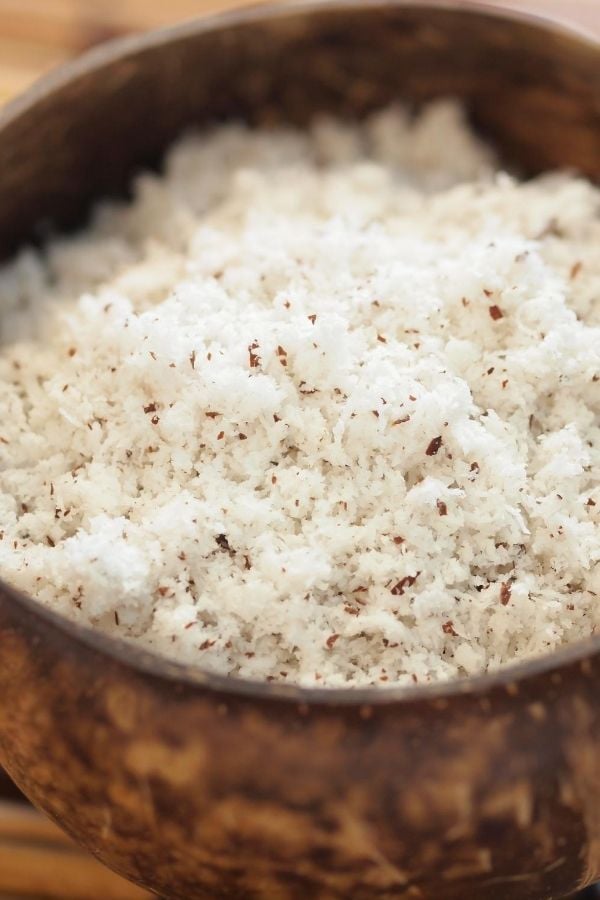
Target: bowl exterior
199,792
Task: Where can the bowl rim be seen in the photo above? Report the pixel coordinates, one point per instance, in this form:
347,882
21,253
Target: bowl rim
193,676
119,48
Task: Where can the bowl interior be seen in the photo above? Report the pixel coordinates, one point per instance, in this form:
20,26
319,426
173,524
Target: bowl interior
82,132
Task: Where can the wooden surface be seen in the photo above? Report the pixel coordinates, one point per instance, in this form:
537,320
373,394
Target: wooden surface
38,34
36,860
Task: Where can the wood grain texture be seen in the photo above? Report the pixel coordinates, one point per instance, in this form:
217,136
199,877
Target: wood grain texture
38,861
36,35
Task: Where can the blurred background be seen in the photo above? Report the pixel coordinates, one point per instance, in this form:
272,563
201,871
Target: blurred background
36,35
36,860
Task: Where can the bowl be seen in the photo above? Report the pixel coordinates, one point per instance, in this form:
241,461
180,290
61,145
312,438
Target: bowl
200,786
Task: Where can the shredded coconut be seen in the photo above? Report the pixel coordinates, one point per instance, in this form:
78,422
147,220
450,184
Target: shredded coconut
316,407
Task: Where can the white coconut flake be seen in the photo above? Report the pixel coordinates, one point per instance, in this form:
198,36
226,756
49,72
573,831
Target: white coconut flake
316,407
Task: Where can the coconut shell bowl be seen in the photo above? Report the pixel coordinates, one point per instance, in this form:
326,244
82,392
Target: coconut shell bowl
199,786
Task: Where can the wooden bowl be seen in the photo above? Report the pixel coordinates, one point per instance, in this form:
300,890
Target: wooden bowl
200,786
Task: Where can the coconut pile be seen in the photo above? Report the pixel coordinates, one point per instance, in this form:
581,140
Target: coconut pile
316,407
